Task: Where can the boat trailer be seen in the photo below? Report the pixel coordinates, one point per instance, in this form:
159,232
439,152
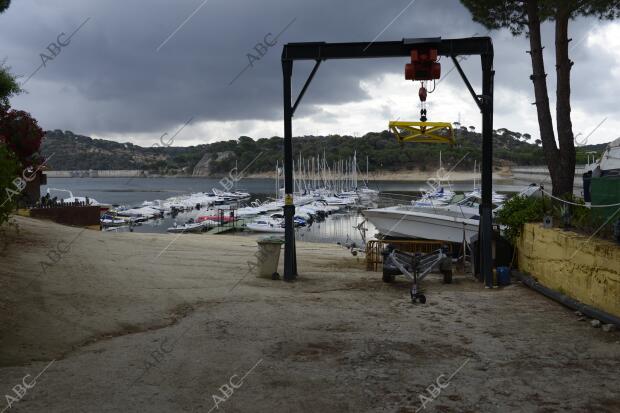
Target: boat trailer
416,266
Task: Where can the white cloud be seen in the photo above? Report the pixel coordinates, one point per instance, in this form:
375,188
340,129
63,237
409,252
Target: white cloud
391,97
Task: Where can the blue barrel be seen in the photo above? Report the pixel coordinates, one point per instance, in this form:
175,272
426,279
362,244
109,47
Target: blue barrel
503,275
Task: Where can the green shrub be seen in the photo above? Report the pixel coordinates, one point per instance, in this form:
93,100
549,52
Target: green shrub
9,170
518,211
580,216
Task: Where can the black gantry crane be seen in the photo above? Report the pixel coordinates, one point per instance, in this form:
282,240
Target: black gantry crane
452,48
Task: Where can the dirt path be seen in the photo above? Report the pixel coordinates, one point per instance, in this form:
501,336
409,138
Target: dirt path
128,328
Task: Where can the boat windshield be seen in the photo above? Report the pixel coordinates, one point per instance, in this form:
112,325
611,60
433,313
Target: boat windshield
473,202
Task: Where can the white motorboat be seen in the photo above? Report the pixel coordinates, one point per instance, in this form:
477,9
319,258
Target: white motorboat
109,221
317,208
297,218
608,166
439,197
302,214
452,223
190,227
266,225
230,196
411,222
367,193
241,195
73,199
306,210
188,202
347,194
428,203
496,198
340,201
248,211
140,214
272,206
159,205
402,222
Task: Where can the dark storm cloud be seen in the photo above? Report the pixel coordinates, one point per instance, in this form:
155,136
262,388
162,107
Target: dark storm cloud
118,75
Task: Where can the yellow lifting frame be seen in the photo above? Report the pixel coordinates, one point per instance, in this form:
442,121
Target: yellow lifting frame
423,132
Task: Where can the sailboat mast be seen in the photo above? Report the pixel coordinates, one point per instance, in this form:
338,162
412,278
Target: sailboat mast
236,177
277,182
474,175
354,166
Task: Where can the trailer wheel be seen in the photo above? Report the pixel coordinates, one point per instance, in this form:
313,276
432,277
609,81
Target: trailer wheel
388,278
447,277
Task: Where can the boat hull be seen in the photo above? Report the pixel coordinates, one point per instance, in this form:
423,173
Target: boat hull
264,228
187,228
407,224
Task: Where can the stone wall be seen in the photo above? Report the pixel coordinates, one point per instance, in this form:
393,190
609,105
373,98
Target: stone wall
587,270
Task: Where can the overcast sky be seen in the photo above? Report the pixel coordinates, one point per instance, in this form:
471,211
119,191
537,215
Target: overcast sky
136,69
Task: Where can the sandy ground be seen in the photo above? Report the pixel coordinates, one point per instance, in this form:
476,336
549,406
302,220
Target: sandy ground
126,322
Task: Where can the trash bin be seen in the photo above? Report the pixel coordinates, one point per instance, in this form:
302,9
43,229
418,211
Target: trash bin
268,256
503,276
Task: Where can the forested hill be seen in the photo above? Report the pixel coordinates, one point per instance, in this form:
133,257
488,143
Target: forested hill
75,152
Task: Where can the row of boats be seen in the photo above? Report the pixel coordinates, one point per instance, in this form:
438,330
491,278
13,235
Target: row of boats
319,190
124,216
257,216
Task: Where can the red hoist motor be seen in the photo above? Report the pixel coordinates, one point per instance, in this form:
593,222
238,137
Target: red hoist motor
423,67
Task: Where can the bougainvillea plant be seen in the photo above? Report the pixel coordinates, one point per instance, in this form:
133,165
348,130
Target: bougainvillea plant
22,134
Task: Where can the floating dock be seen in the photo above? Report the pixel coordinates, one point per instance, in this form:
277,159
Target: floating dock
227,227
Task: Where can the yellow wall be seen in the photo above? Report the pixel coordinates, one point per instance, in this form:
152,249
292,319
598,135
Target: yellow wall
23,212
586,270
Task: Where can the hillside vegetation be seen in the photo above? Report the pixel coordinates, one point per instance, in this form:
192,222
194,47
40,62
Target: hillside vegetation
75,152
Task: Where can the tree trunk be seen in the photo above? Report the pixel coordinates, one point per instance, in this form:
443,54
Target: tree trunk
539,77
563,182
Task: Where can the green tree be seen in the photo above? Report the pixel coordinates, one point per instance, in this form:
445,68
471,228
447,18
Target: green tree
526,16
8,87
4,4
9,166
9,170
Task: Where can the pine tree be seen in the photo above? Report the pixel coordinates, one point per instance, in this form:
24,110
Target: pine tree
525,17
